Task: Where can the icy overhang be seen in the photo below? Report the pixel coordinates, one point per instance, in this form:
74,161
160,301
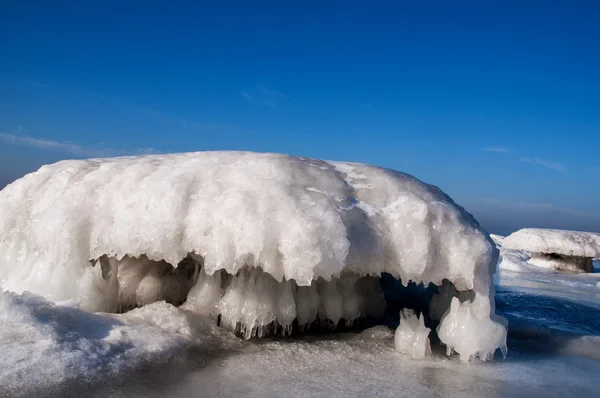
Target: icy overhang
296,219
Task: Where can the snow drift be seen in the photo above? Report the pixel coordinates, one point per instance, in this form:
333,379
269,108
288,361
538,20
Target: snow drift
261,242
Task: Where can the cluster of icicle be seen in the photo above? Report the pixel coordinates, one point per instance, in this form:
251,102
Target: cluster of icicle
253,303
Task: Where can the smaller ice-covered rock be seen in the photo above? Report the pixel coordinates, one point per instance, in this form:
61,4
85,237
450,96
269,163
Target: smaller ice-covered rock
557,249
568,243
412,337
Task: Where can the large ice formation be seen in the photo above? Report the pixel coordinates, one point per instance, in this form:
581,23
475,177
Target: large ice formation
557,249
261,242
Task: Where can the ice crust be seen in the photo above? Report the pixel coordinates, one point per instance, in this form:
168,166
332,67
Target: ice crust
568,243
265,238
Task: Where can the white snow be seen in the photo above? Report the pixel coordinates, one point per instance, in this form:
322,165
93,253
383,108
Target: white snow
257,239
412,337
568,243
45,344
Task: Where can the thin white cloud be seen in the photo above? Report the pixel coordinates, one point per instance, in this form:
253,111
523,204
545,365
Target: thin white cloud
247,96
165,117
34,83
69,147
264,95
545,163
547,207
498,149
531,160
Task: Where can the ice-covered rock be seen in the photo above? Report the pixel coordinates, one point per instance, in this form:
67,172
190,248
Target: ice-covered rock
258,241
557,249
412,337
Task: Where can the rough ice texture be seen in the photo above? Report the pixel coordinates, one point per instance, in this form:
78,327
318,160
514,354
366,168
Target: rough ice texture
412,337
296,219
567,243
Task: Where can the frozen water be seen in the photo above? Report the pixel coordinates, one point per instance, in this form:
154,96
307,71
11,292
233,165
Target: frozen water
256,241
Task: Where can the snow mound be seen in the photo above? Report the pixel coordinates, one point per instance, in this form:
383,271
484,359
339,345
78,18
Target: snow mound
568,243
516,261
255,240
45,345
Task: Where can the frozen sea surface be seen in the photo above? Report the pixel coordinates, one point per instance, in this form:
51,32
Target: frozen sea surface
554,350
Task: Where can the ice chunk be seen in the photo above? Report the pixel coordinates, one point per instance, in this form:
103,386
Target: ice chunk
412,337
465,331
258,220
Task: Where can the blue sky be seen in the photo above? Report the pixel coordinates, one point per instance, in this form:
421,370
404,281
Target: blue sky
497,103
